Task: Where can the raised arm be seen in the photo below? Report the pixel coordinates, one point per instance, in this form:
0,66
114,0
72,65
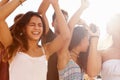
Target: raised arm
64,33
5,11
43,7
42,11
3,2
94,58
76,17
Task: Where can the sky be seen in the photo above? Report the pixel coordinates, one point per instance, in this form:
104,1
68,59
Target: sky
99,12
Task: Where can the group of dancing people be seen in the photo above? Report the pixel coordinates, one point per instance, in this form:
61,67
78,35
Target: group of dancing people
68,53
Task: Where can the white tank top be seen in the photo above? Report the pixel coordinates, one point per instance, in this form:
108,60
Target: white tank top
25,67
111,70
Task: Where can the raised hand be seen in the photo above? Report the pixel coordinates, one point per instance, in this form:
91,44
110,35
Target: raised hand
53,1
93,30
84,4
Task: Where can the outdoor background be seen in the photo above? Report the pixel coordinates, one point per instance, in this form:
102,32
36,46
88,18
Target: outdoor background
99,12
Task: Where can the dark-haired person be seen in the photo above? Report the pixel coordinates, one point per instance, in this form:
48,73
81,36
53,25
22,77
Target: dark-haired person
67,64
49,36
28,60
52,65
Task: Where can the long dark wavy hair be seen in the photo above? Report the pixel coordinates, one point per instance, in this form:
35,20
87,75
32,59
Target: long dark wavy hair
19,35
79,33
2,50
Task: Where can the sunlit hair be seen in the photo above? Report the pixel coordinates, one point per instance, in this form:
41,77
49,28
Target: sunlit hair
113,26
78,34
20,40
65,13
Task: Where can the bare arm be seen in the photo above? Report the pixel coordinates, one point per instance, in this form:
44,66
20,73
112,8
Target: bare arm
43,7
64,34
5,11
3,2
42,11
72,22
75,18
94,58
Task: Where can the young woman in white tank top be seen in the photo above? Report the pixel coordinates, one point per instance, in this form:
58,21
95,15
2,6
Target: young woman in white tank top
35,67
28,60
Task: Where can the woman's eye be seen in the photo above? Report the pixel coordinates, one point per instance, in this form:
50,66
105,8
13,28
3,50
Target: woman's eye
31,24
40,25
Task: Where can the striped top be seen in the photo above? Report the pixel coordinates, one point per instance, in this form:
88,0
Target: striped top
72,71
